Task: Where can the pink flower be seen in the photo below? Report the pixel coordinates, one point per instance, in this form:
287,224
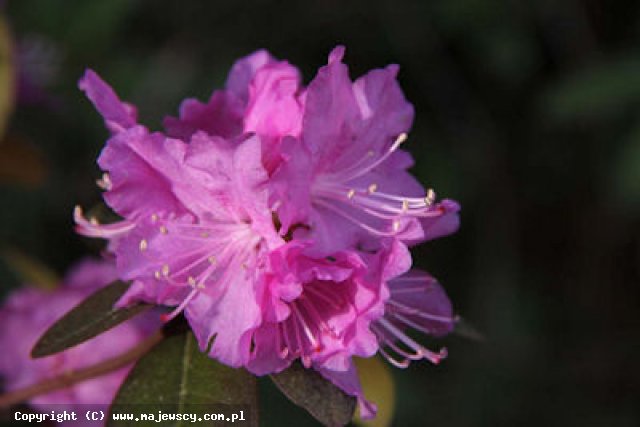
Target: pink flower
28,313
350,184
277,218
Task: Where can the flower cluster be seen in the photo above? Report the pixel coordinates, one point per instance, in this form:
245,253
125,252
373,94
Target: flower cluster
277,218
29,312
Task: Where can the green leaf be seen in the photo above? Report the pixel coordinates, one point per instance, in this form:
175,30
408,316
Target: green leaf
7,79
175,377
91,317
308,389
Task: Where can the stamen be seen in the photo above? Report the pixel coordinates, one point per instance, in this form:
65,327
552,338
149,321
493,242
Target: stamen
434,358
416,312
305,327
104,182
143,245
93,229
430,198
154,217
282,352
401,138
402,364
351,193
169,316
372,188
163,229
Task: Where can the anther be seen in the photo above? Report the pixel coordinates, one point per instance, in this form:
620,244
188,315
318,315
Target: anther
163,229
192,281
143,245
157,275
401,138
212,260
372,188
351,193
405,205
154,217
396,226
430,198
165,270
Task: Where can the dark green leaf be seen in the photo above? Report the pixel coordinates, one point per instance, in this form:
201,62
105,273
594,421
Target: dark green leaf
177,378
91,317
308,389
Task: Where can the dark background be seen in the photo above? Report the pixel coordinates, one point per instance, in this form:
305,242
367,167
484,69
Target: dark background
527,113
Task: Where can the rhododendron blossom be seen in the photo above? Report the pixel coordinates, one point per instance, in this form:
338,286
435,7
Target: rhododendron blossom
278,218
28,313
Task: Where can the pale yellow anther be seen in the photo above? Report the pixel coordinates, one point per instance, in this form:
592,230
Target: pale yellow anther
165,270
372,188
430,197
351,193
104,182
244,266
401,138
163,229
371,153
154,217
205,234
94,221
192,281
212,260
157,275
200,285
405,205
143,245
396,226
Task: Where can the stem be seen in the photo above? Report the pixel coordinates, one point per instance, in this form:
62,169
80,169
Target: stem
70,378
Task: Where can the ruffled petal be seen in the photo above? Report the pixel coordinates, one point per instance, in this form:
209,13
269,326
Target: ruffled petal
243,70
117,115
141,168
274,108
220,116
221,319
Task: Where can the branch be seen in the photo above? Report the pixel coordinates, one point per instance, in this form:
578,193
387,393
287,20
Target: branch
70,378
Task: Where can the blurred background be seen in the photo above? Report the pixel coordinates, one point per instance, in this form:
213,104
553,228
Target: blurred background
528,113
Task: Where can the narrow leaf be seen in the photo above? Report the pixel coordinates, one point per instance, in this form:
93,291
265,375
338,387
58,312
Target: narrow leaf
308,389
91,317
175,377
